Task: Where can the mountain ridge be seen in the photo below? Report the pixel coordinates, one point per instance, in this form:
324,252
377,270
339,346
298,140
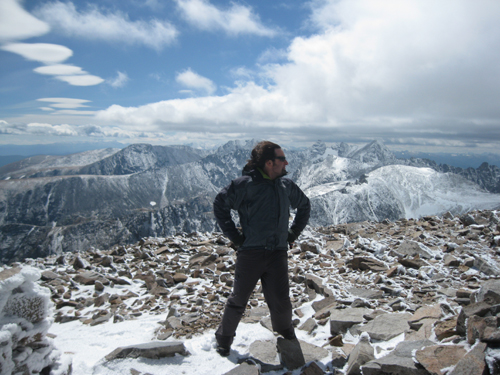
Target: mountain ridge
142,190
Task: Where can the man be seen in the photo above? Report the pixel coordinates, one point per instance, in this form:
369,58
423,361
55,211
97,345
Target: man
263,199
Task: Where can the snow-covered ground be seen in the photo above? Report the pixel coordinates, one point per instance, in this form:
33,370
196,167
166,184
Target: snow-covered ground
86,346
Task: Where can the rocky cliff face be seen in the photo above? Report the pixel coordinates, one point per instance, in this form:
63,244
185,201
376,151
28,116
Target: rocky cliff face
98,199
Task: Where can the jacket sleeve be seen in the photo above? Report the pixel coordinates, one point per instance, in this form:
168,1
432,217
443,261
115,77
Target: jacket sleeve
299,201
224,202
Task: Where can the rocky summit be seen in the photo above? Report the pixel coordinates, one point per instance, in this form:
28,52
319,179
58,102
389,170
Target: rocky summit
410,296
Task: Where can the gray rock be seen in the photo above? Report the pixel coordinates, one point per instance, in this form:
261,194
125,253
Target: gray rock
342,320
424,330
152,350
49,275
309,325
325,302
399,361
338,359
473,363
451,261
435,358
316,284
413,248
480,309
89,278
366,293
486,265
244,369
489,292
362,353
384,327
266,355
312,352
368,263
291,353
484,329
312,369
425,312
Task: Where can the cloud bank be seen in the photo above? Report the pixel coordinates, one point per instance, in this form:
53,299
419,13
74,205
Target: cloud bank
416,71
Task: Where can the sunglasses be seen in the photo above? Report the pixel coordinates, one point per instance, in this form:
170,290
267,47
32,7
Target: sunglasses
282,158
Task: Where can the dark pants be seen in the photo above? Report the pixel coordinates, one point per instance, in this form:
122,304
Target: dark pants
271,267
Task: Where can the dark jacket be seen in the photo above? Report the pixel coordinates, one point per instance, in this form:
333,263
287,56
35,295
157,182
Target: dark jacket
263,206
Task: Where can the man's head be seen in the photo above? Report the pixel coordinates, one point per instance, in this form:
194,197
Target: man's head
269,157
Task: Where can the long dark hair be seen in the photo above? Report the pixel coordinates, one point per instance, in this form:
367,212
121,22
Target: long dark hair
262,152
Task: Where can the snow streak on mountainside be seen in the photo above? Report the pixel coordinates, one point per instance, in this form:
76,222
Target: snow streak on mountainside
106,197
37,164
395,192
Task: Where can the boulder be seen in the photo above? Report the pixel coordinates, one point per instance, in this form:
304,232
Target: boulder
473,363
244,369
291,353
151,350
384,327
343,319
413,248
399,361
362,353
436,358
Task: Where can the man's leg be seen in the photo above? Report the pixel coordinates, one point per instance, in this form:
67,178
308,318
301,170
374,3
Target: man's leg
249,265
275,285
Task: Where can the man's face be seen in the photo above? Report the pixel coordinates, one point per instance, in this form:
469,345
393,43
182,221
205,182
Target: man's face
277,168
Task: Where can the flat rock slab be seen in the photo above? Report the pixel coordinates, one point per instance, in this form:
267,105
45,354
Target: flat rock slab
438,357
366,293
473,363
399,361
384,327
291,353
425,312
243,369
413,248
342,320
152,350
266,355
312,352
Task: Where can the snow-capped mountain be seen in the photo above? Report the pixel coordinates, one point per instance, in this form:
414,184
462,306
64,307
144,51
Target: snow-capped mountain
106,197
394,192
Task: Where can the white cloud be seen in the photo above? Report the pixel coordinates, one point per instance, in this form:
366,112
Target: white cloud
71,74
67,103
74,112
48,129
59,69
17,24
40,129
66,106
98,25
193,80
120,80
41,52
81,80
410,70
235,21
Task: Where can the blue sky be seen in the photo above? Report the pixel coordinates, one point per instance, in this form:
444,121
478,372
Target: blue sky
416,74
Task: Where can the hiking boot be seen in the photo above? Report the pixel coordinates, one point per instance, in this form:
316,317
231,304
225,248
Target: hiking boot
288,334
223,344
223,350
